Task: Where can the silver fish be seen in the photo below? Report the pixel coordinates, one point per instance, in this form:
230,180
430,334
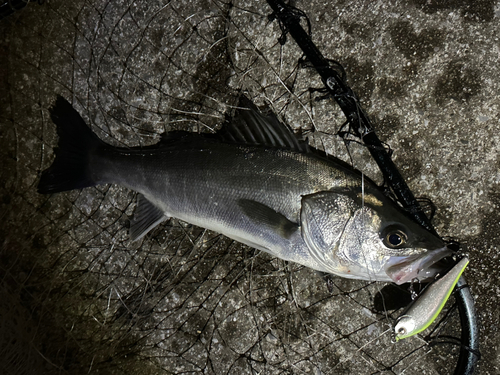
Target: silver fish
254,182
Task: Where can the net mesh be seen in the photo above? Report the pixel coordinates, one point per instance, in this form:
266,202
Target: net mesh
77,296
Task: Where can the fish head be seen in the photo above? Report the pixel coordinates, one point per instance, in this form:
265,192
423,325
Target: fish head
366,235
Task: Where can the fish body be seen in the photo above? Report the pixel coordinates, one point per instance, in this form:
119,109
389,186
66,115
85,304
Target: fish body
256,183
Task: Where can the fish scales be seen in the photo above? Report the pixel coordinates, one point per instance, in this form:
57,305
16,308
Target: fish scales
254,182
218,174
202,182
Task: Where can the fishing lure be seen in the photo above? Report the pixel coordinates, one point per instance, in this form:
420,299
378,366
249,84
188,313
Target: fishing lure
425,309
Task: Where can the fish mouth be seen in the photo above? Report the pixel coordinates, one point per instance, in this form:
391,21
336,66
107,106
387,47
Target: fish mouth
421,266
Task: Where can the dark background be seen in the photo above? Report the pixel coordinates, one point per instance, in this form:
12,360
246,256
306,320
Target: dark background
78,297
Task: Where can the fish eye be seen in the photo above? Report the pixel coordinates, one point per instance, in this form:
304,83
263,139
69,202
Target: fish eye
395,238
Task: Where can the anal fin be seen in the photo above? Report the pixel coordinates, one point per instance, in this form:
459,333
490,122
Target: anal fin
146,217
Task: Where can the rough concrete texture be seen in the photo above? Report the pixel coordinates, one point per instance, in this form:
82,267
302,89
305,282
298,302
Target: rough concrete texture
78,297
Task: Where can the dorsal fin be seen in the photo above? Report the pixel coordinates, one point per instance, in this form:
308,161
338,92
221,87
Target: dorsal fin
250,126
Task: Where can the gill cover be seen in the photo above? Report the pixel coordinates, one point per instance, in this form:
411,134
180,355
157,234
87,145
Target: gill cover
323,217
348,231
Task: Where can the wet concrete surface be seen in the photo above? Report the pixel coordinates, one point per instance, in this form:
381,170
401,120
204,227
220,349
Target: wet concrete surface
426,73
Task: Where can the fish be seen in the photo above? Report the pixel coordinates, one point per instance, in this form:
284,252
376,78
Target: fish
425,309
255,182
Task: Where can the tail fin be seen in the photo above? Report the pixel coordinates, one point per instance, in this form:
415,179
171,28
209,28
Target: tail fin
70,169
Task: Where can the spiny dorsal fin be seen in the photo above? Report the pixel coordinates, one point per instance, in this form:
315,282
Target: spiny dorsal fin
250,126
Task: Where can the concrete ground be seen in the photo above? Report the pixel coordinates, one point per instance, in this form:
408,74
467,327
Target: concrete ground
77,296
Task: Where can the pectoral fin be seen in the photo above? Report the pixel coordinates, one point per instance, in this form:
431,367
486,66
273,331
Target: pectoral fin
267,217
146,217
